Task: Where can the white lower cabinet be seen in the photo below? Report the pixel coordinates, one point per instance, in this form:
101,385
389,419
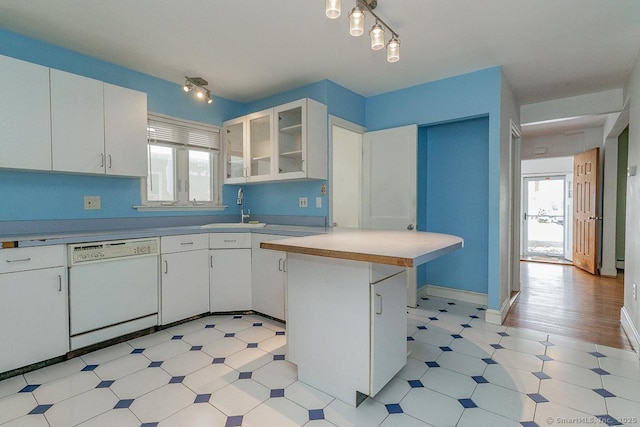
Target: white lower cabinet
230,272
33,306
268,277
184,277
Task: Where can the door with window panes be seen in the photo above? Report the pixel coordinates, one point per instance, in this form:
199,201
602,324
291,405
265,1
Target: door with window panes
184,163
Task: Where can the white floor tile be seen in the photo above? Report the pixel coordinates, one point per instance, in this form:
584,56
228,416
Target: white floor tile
433,337
122,366
522,345
403,420
319,423
461,363
505,402
274,345
28,421
81,408
471,348
203,336
413,370
255,334
240,397
306,396
162,402
186,363
12,385
573,396
528,334
107,354
150,340
276,374
16,406
114,417
393,392
480,323
196,415
64,388
511,378
276,412
224,347
572,374
249,359
369,413
616,353
474,417
549,413
432,407
571,343
185,328
517,360
211,378
480,335
574,357
139,383
622,387
448,382
234,325
423,352
53,372
621,368
166,350
623,410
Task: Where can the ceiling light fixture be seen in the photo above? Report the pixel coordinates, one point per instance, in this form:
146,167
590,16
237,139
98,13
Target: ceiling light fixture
356,26
198,84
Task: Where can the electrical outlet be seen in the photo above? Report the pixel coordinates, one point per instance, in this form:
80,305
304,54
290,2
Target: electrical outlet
634,292
302,202
323,189
91,203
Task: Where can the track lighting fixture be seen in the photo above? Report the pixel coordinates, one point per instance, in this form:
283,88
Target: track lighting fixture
356,26
198,84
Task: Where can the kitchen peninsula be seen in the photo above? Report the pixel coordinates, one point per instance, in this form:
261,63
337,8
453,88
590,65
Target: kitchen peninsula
347,299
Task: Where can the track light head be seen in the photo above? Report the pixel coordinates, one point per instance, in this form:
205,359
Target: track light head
198,84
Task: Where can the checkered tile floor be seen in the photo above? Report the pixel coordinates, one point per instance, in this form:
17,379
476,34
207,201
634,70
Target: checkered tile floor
232,371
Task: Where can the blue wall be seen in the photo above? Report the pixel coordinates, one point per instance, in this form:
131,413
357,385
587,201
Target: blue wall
454,156
450,100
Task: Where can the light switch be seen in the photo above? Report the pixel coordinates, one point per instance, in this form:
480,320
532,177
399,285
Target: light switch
318,202
91,203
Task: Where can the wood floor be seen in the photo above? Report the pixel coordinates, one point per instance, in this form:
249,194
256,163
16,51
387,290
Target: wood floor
564,300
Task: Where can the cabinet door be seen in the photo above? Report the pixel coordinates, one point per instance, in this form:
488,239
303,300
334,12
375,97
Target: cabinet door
268,278
25,120
291,139
185,285
234,136
260,148
125,131
388,330
230,280
33,313
77,123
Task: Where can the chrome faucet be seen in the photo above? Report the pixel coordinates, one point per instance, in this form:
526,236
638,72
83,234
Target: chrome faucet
240,203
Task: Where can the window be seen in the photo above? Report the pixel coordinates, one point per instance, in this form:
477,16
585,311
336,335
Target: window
184,164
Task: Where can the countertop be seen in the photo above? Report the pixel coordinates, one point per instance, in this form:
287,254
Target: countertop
402,248
41,239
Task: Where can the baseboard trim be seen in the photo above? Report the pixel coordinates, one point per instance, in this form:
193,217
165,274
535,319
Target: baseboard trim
497,316
620,264
609,272
630,330
455,294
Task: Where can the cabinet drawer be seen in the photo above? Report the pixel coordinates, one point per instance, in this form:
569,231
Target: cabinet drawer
229,240
183,243
22,259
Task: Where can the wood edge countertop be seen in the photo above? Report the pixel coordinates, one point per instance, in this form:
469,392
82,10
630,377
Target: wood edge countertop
401,248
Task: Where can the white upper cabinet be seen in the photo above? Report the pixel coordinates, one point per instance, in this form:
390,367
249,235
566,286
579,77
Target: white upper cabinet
301,140
77,123
125,131
57,121
25,124
281,143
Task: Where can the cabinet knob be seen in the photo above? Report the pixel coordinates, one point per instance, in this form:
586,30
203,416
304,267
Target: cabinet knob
410,227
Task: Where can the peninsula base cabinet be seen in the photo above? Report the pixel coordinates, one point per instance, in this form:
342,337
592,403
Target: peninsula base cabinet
268,277
184,277
34,321
230,272
363,310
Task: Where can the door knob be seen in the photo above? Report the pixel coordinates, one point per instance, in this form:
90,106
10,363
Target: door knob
410,227
597,218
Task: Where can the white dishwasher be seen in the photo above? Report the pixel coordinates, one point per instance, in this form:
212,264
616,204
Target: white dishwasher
113,289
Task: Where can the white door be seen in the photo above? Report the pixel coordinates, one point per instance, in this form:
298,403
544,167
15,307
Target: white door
389,185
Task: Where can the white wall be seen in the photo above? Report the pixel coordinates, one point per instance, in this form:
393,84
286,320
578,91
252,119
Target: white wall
562,145
630,315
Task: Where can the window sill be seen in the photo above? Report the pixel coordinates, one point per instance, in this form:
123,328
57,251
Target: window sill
169,208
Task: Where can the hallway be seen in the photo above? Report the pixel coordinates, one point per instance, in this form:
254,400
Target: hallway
564,300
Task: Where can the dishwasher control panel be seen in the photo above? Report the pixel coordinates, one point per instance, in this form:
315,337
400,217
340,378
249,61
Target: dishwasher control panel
98,251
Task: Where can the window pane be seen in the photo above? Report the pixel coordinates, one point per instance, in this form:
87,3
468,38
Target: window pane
160,182
200,176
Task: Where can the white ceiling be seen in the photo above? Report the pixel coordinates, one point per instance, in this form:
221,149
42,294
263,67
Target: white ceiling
250,49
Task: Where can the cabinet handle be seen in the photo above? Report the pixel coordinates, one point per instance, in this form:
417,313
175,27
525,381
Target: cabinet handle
380,305
280,265
166,267
230,241
59,283
109,158
101,160
19,260
211,261
186,243
284,265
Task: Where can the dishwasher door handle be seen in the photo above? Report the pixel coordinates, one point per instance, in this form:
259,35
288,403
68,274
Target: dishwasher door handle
166,266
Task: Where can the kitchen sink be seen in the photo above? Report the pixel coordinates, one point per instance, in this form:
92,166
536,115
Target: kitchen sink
234,225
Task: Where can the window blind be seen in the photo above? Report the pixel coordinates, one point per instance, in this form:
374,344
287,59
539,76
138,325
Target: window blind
168,130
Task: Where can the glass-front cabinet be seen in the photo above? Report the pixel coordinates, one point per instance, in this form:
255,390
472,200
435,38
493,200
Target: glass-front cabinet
285,142
233,133
260,145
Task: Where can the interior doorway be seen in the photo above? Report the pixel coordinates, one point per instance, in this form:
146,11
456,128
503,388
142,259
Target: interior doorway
544,216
